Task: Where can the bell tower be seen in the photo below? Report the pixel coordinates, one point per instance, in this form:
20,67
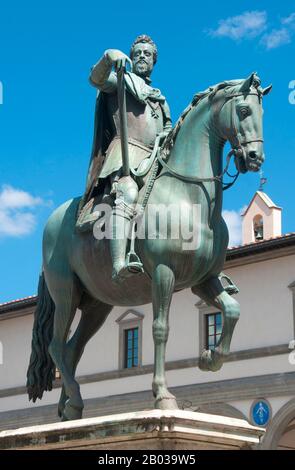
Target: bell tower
261,219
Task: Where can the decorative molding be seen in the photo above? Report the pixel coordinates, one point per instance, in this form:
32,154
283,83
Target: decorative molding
147,429
138,315
190,397
246,354
17,313
16,305
251,258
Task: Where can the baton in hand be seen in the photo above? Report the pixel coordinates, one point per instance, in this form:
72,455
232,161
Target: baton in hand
123,121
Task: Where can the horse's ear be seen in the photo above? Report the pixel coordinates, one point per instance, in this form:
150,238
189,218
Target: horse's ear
265,91
246,85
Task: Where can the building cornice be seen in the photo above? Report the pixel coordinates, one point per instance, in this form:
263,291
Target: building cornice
261,251
21,306
246,354
194,397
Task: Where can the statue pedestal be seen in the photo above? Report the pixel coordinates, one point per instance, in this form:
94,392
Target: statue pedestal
143,430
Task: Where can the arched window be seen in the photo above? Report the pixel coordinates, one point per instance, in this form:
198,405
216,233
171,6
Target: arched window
258,227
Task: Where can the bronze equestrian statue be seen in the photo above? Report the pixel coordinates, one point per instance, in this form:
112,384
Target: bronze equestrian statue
187,172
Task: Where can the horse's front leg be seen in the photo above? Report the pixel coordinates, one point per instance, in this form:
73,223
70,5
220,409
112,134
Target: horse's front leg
213,293
163,287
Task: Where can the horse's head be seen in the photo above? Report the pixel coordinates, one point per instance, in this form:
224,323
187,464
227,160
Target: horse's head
240,120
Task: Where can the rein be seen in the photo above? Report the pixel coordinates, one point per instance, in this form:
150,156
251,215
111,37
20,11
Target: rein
195,179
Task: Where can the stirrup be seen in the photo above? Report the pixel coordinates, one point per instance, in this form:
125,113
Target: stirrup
231,288
133,263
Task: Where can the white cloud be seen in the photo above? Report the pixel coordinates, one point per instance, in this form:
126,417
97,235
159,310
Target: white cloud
16,211
251,24
11,198
247,25
289,20
233,221
276,38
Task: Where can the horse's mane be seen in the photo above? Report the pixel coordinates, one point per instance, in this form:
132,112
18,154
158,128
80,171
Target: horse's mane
210,92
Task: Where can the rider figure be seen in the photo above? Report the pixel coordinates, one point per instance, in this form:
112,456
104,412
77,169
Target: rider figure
148,115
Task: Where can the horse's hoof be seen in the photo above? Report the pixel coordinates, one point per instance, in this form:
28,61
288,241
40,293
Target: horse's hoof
166,403
211,360
71,412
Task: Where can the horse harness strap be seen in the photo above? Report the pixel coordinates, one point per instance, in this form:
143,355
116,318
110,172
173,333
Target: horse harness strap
238,149
195,179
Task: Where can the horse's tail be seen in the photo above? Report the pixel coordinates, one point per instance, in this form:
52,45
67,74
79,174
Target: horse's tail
41,371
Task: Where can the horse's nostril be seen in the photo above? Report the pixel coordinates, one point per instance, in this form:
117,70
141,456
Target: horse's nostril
253,155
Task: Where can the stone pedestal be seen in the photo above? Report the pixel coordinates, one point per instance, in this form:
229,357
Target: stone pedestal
143,430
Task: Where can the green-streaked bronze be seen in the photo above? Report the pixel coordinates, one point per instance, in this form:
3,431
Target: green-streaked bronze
77,268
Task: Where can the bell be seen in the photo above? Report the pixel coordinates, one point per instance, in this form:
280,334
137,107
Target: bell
258,233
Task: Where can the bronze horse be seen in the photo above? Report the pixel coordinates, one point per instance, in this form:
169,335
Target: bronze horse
77,267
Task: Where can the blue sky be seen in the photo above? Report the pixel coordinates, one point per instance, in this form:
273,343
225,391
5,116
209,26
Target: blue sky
46,118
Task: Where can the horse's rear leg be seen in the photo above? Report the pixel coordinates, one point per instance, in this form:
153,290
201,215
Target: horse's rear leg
94,314
163,287
213,293
66,297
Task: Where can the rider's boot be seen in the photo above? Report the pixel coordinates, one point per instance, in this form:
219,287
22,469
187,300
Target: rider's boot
121,220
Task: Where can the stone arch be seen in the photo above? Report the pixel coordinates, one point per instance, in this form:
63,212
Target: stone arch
278,425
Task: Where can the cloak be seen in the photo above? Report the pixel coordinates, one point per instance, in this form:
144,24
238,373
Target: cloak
102,138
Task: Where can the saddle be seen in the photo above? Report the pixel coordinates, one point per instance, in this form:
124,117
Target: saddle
145,175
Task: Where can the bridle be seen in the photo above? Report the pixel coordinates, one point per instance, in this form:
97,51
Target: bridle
237,150
239,143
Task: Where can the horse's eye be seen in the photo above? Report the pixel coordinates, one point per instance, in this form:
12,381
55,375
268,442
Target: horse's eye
244,111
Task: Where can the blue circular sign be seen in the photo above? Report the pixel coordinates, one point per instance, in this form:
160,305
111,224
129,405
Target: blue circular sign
260,412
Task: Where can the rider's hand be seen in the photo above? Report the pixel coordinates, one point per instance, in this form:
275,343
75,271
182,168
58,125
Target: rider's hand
162,136
117,58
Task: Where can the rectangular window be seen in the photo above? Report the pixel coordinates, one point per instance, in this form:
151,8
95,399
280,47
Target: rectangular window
213,329
131,348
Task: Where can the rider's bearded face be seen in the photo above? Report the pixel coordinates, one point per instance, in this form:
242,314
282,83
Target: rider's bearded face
143,59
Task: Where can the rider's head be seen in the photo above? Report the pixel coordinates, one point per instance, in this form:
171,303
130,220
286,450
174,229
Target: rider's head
143,54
